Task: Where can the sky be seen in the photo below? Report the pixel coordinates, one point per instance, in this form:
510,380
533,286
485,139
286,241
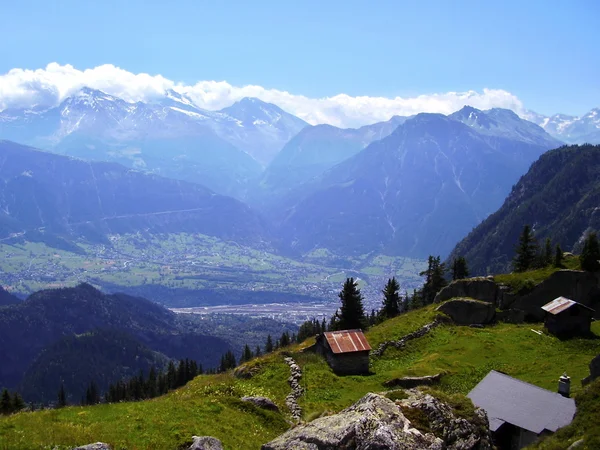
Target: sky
373,59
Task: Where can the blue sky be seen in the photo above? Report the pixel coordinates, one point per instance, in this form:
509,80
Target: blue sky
545,53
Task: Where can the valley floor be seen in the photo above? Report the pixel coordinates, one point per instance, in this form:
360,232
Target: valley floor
210,404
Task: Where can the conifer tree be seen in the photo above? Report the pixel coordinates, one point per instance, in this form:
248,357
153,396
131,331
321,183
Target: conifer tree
247,354
558,256
284,341
391,299
257,351
434,281
62,396
5,403
526,251
352,312
269,344
548,253
152,383
171,376
17,402
589,259
459,268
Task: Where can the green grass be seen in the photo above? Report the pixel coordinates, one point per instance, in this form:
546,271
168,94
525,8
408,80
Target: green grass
209,405
521,282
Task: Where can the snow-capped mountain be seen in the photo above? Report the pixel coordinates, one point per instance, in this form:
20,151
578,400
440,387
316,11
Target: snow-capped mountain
171,136
571,129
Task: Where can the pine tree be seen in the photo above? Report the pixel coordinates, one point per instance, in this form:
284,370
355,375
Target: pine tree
17,402
434,281
5,403
352,312
558,257
92,395
257,351
526,251
247,354
284,341
269,344
459,268
62,396
391,299
152,384
548,253
589,260
171,376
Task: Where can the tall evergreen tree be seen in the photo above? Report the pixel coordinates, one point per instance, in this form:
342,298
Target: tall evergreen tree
589,259
548,253
459,268
62,396
558,256
269,344
17,402
352,312
391,299
434,281
284,341
247,354
5,402
152,383
526,251
171,376
257,351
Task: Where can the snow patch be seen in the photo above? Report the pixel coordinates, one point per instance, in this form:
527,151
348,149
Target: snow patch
188,113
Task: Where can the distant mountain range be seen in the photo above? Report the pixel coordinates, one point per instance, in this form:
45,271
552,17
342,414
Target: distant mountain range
54,198
570,129
558,197
219,149
417,191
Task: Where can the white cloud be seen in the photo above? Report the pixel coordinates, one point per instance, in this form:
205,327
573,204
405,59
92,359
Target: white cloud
24,88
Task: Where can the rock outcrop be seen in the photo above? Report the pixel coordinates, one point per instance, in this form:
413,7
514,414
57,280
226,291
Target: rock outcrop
412,382
205,443
403,340
291,400
375,422
465,311
594,371
262,402
574,284
94,446
484,289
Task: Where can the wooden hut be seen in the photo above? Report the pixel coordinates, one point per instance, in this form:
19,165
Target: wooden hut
346,351
566,318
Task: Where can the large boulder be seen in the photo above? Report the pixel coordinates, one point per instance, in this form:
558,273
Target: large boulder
574,284
480,288
594,371
466,311
261,402
205,443
375,422
94,446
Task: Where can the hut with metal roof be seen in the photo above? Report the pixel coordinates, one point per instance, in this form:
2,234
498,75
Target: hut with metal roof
520,412
567,318
346,351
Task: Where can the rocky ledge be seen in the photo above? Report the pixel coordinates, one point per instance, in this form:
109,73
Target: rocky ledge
375,422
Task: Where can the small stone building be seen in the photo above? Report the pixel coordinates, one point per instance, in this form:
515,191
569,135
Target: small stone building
567,318
346,351
519,412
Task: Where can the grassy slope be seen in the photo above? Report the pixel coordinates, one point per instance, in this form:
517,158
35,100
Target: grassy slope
209,405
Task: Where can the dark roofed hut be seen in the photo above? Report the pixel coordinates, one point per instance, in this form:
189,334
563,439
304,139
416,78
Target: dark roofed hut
346,351
520,412
567,318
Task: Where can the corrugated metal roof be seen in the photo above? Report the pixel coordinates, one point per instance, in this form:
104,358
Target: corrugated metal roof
347,341
561,304
506,399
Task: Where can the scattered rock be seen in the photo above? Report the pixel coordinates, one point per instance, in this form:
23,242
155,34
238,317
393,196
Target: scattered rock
484,289
205,443
511,316
245,371
95,446
576,444
402,341
411,382
291,400
375,422
464,311
594,371
261,402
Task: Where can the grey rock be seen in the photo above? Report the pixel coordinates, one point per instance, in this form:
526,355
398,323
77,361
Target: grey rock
574,284
576,444
262,402
377,423
465,311
511,316
594,371
205,443
411,382
482,288
95,446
